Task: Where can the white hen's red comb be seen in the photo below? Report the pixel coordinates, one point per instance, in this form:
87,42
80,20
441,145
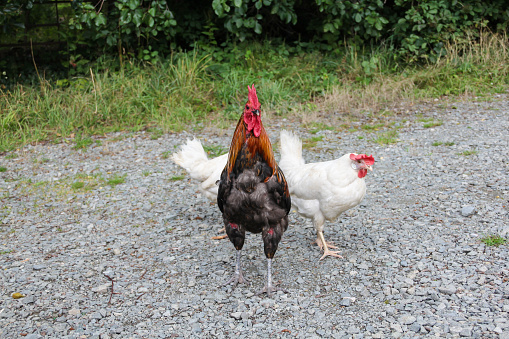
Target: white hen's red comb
368,160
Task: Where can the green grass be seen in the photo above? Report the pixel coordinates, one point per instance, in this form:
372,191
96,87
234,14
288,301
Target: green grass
315,127
311,142
3,169
82,142
432,124
165,154
146,173
191,91
5,252
469,152
493,240
437,143
214,151
116,180
374,127
177,177
387,138
77,185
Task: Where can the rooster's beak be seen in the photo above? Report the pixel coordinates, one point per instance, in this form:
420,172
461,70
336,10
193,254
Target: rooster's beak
256,111
369,168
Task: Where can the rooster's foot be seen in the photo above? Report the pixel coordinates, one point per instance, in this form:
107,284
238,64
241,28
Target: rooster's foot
269,289
236,279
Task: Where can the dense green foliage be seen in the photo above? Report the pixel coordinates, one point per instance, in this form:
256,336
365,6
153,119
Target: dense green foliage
149,29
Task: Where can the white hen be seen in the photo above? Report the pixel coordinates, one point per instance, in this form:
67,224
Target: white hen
193,158
323,190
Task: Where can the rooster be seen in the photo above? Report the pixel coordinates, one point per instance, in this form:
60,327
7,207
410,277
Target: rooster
253,194
323,190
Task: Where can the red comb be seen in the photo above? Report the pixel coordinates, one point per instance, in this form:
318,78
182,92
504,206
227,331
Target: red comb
252,97
368,160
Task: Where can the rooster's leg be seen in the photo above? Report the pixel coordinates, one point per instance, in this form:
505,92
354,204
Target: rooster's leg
237,277
326,250
269,288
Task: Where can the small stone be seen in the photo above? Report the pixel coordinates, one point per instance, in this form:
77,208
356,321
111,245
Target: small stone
33,336
101,288
352,330
467,210
39,267
74,311
450,290
96,315
407,319
466,332
345,302
116,251
236,315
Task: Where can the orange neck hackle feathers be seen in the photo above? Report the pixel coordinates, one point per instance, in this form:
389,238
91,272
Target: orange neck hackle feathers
251,134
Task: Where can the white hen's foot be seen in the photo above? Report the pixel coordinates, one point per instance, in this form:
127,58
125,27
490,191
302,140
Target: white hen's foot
327,244
326,252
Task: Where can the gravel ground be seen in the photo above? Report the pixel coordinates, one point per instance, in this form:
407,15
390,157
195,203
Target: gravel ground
414,262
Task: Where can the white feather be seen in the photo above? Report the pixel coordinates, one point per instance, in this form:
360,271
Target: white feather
193,158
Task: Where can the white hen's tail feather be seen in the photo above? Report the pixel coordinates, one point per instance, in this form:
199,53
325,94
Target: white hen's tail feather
194,160
291,150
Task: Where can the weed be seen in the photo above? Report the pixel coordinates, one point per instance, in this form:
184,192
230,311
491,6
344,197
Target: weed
165,154
315,127
215,151
11,156
469,152
437,143
311,142
3,169
77,185
177,177
146,173
116,180
493,240
375,127
386,138
5,252
449,143
82,142
360,137
433,124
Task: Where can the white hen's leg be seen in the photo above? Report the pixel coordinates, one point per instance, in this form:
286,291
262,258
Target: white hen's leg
318,222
